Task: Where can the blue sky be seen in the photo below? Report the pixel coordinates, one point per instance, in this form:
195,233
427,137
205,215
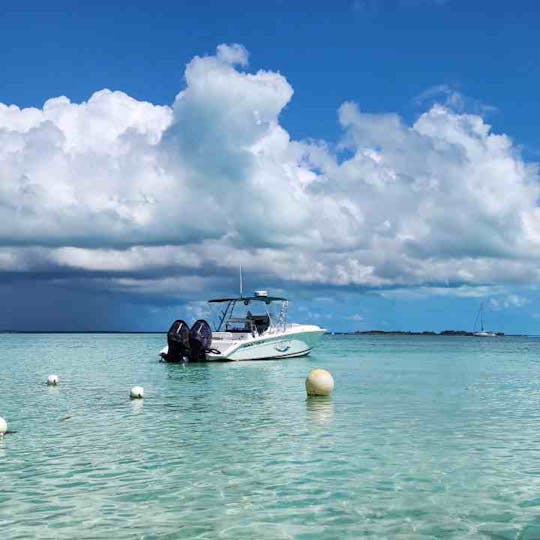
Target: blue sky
414,69
382,53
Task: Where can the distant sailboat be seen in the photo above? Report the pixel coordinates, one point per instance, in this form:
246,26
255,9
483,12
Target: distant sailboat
480,318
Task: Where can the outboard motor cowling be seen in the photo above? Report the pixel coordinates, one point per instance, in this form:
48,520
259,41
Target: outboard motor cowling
178,342
200,339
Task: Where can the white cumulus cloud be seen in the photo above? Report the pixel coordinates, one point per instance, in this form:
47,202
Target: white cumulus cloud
135,195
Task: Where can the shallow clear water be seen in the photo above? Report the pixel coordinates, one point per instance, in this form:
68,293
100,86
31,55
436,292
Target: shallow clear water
423,438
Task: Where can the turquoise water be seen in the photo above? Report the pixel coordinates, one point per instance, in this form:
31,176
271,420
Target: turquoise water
423,438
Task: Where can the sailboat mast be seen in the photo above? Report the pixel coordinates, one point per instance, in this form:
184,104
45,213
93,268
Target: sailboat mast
241,283
482,317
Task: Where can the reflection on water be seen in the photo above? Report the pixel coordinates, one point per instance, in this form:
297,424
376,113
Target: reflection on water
320,410
137,406
53,390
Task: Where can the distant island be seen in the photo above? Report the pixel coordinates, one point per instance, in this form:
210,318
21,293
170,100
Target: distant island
408,333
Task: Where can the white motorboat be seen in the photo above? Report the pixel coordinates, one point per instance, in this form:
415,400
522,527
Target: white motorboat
245,336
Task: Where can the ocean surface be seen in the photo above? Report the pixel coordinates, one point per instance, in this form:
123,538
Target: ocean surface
424,437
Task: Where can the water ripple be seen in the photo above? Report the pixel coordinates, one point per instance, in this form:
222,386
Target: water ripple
424,438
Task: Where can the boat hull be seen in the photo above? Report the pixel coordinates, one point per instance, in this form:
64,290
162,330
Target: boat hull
292,344
272,348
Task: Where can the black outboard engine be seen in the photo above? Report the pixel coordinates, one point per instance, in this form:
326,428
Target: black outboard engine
200,339
178,342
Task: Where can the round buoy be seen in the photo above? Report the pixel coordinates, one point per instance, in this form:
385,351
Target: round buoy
137,392
3,426
319,382
52,380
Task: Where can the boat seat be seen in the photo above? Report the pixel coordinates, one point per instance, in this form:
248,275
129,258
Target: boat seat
240,325
261,322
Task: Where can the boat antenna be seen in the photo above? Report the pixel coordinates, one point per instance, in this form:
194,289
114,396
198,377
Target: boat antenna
241,283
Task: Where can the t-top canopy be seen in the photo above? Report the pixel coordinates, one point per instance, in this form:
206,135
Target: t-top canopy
247,299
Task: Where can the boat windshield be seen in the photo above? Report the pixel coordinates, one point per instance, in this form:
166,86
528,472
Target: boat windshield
254,315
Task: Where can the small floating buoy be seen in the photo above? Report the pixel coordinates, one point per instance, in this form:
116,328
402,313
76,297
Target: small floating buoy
3,427
52,380
137,392
319,382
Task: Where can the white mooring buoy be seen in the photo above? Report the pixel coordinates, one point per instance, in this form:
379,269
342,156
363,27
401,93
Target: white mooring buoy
319,382
137,392
52,380
3,427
